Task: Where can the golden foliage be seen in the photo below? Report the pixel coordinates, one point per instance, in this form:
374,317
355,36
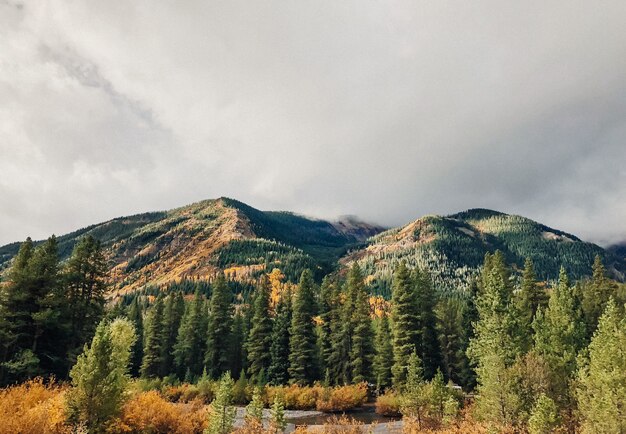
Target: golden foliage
34,408
339,425
388,404
150,413
342,398
379,306
327,399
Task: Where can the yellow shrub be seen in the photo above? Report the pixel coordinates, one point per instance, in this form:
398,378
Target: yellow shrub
33,407
388,404
342,398
150,413
295,397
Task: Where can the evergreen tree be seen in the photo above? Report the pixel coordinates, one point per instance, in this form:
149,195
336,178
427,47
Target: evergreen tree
279,348
190,344
100,376
452,328
278,424
383,360
531,296
222,414
302,354
238,342
595,295
559,336
172,316
254,410
135,316
428,343
152,363
220,324
259,339
362,336
602,376
404,321
496,344
327,313
85,280
544,417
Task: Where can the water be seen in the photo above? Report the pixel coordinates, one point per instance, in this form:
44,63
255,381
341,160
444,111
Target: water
365,414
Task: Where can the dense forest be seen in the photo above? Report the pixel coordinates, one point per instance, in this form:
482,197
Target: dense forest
516,353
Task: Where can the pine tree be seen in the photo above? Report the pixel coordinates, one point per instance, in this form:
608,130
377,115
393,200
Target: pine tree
531,296
254,410
496,344
100,376
362,336
414,400
601,389
404,322
152,363
222,414
327,312
302,355
595,295
259,339
559,336
190,344
279,349
238,342
544,417
452,328
85,280
172,316
278,424
428,343
220,324
383,360
135,316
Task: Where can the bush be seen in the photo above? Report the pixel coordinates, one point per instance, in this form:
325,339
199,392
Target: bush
388,404
338,425
150,413
33,407
343,398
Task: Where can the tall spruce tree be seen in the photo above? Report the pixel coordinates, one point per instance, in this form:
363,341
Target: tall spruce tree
135,316
172,316
278,372
217,357
238,352
327,309
531,295
452,329
302,345
152,363
383,359
428,347
559,336
404,321
190,346
362,336
259,339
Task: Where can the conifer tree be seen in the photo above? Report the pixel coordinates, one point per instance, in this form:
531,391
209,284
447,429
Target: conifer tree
383,360
327,314
302,345
531,296
190,344
452,328
220,325
173,312
279,349
238,342
559,336
362,335
404,322
222,414
601,389
595,295
428,343
259,339
152,363
278,424
135,316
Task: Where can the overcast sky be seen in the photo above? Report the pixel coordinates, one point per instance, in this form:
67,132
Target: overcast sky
385,110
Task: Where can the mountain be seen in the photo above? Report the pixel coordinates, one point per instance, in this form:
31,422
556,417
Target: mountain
453,248
195,241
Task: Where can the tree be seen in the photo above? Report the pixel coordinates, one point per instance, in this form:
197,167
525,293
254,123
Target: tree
100,376
85,280
382,360
222,414
172,316
559,336
278,371
259,339
414,401
496,344
601,389
361,336
452,328
278,424
152,363
238,352
135,316
404,322
328,311
190,344
220,323
544,417
595,295
302,345
254,410
531,296
428,344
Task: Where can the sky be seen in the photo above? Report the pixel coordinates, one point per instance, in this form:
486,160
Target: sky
384,110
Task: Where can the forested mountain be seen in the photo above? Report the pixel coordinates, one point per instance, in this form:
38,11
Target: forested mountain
195,241
453,247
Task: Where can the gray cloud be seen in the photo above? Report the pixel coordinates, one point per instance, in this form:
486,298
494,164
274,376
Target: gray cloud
385,110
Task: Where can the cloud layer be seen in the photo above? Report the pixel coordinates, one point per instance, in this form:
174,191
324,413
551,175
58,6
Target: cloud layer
387,110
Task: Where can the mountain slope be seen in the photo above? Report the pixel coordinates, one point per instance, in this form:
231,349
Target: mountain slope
453,248
195,241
